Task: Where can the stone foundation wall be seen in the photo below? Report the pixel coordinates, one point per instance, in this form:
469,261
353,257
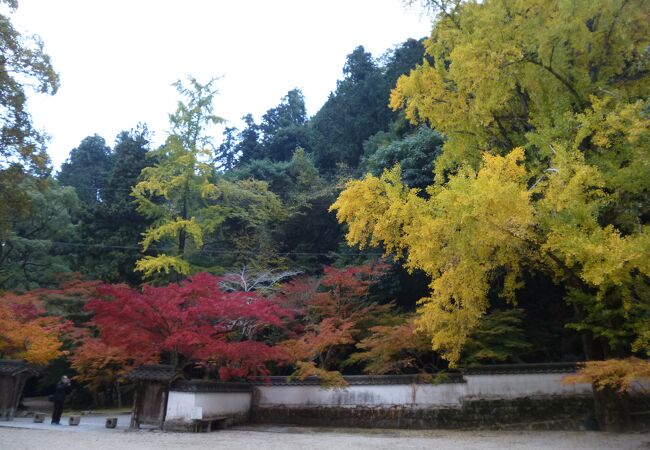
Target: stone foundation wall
538,413
501,397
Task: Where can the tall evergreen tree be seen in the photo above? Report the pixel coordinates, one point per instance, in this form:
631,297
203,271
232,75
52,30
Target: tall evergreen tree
111,230
37,247
226,156
290,112
358,108
248,145
87,169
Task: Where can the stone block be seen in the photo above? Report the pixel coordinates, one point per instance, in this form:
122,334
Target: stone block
111,422
74,420
39,417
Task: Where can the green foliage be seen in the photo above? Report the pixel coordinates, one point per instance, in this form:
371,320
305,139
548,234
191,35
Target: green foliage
238,222
281,131
357,109
191,207
499,338
415,153
25,64
87,169
291,112
307,232
248,146
226,154
30,255
111,229
290,180
25,67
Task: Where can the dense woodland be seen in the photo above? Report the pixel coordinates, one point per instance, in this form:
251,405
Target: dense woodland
473,197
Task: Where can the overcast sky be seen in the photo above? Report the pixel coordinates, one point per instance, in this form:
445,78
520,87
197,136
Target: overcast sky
117,59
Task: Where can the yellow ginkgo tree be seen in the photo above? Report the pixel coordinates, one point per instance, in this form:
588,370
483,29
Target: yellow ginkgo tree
182,193
545,168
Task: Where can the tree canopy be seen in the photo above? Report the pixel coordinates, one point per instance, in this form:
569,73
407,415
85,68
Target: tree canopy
24,66
545,167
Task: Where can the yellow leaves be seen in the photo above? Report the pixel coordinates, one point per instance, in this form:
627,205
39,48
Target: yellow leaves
614,374
329,379
620,133
567,80
171,230
376,210
460,236
607,120
150,265
36,340
509,168
457,303
507,73
569,217
573,191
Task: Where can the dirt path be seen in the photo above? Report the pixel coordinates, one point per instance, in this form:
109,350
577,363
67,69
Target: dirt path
260,438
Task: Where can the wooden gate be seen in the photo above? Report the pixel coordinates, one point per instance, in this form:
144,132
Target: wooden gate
13,375
150,401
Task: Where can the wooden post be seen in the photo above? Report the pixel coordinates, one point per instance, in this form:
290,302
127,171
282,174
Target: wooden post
134,413
163,409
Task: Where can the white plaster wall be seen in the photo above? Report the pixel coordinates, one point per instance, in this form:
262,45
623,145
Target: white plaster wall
421,395
521,385
374,395
180,404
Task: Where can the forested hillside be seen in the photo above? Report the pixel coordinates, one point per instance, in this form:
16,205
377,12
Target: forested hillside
472,197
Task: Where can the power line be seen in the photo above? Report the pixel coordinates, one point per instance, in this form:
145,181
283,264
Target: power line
214,252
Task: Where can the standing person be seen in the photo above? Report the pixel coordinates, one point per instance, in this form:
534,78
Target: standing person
63,388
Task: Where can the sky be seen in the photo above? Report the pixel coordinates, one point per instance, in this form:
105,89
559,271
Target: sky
117,59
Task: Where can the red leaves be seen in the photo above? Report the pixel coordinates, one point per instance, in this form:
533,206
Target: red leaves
195,320
335,311
231,333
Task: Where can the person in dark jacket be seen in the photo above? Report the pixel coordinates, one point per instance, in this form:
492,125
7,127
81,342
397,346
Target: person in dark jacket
63,388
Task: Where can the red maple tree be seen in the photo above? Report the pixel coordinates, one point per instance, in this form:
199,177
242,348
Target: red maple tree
336,311
192,322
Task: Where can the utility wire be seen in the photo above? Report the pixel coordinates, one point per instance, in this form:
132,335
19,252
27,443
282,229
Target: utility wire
214,252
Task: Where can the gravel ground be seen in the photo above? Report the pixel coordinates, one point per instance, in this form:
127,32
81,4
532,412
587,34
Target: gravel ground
259,438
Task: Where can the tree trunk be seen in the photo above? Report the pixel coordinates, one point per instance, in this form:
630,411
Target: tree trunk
586,338
174,358
119,394
612,409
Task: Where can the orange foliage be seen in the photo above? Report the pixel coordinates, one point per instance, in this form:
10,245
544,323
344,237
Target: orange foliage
614,374
393,349
335,310
25,331
102,366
